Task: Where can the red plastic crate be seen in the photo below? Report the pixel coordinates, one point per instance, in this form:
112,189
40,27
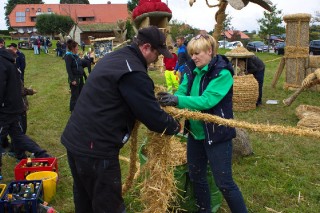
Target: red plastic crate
21,171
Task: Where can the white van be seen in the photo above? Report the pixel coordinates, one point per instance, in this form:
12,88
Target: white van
234,44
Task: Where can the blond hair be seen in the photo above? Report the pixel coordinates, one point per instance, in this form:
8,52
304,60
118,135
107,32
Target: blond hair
202,42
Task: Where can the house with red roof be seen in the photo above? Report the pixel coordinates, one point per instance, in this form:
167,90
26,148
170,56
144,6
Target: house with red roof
98,19
231,33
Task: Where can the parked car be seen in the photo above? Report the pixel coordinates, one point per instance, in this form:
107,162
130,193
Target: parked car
25,45
257,46
223,44
314,47
279,48
234,44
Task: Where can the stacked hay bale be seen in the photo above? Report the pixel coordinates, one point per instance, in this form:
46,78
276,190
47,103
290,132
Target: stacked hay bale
297,49
245,87
313,63
309,117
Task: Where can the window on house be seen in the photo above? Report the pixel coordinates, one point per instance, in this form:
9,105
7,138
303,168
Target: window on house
85,18
49,9
20,16
27,10
33,19
39,10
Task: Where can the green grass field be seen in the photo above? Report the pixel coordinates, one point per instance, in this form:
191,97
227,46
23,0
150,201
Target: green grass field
282,167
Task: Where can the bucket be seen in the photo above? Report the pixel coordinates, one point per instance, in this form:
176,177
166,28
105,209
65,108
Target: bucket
49,182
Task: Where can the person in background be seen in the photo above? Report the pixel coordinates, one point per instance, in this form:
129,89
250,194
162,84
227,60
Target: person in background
35,47
58,48
208,87
183,57
20,60
39,45
2,43
83,46
255,66
75,72
118,93
172,79
11,107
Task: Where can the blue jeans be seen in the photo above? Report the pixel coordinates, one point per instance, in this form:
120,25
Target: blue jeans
96,184
219,156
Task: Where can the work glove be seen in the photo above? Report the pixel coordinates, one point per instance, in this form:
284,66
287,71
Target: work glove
166,99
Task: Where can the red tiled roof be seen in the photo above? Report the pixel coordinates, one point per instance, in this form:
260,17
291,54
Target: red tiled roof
229,34
102,13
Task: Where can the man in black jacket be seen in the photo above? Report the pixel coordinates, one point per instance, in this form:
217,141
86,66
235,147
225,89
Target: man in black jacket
20,60
11,107
117,93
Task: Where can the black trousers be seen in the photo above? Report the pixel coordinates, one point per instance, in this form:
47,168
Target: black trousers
259,76
75,93
19,140
97,184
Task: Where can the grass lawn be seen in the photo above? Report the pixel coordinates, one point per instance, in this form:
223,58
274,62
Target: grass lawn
282,167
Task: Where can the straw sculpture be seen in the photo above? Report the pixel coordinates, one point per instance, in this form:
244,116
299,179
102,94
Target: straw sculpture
309,116
297,48
245,87
311,80
245,93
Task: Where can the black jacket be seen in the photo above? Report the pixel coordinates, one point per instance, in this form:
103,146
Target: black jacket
254,65
74,67
116,94
10,87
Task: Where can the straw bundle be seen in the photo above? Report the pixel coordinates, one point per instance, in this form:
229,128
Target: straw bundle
303,111
158,187
310,123
245,93
309,117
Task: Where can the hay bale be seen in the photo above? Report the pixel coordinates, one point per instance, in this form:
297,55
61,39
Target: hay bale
303,111
245,93
310,123
314,61
309,117
241,144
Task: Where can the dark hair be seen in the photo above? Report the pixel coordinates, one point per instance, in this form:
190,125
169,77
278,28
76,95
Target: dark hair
170,47
71,44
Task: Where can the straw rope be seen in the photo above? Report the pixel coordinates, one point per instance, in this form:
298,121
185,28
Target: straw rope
266,128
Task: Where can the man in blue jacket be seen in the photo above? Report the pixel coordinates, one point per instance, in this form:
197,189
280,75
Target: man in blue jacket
117,93
183,57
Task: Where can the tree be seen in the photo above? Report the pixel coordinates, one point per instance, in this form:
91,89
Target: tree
316,17
271,23
74,2
181,29
227,23
132,4
50,24
12,3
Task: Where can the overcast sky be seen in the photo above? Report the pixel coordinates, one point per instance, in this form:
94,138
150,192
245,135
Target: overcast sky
202,17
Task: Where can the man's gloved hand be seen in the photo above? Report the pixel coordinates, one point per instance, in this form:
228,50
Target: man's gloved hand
166,99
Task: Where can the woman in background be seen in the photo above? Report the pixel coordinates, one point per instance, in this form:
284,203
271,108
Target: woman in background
75,71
